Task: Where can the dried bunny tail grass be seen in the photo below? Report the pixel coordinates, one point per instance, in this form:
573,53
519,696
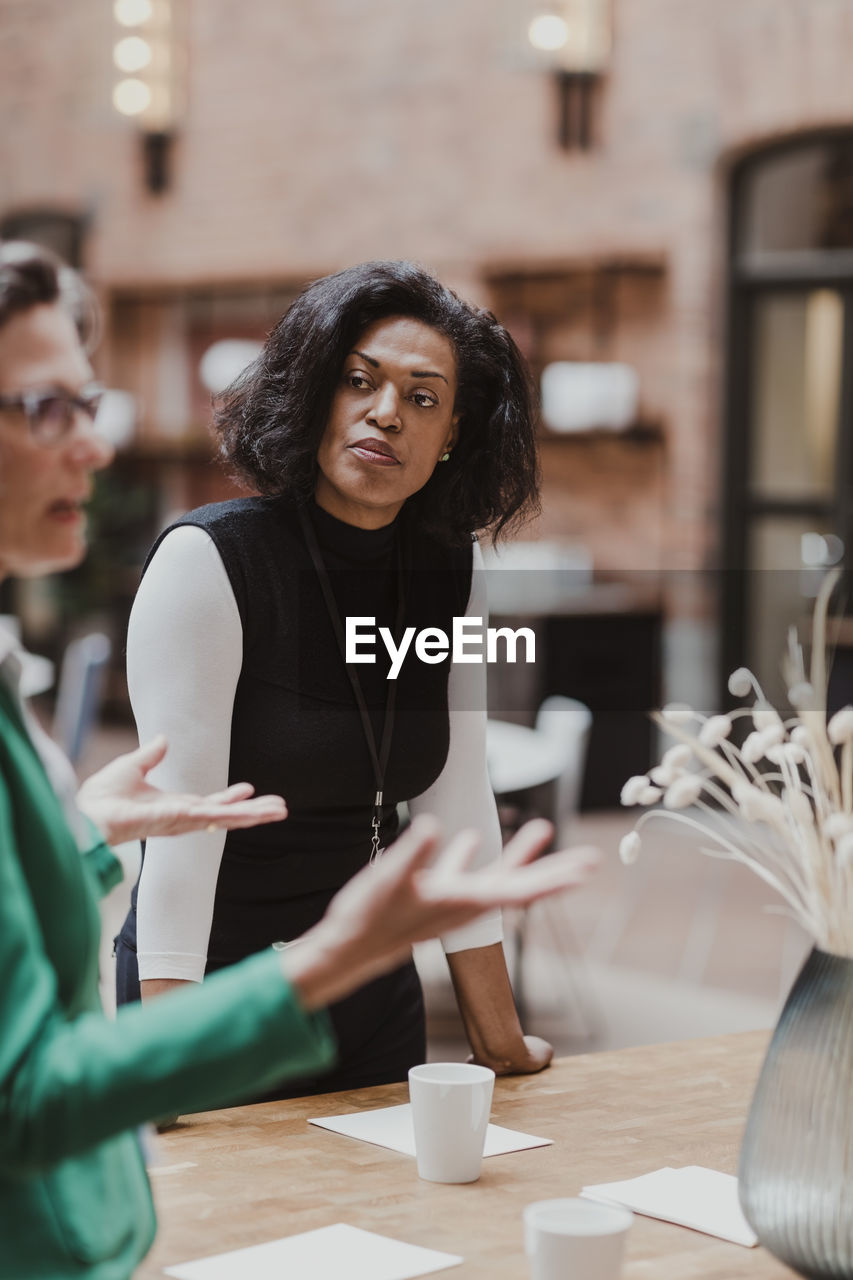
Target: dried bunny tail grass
791,892
801,695
742,682
728,764
674,764
767,718
757,803
814,718
807,895
715,731
708,756
840,728
683,792
817,672
838,825
629,848
639,790
633,789
844,850
786,874
839,731
678,713
798,909
793,664
781,803
677,757
759,744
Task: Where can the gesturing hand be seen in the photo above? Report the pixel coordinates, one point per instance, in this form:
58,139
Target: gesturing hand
125,806
411,894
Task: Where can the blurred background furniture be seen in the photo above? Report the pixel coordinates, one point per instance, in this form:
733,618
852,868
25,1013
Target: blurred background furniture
600,642
540,772
566,724
78,696
37,673
523,767
612,658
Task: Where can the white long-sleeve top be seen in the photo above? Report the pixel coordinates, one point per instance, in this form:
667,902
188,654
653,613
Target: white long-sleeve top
184,655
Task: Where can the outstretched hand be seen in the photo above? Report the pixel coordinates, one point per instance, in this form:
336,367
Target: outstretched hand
414,893
125,806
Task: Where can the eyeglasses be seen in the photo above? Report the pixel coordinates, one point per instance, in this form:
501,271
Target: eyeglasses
51,414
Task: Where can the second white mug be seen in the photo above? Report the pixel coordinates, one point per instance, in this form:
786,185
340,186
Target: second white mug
575,1238
451,1104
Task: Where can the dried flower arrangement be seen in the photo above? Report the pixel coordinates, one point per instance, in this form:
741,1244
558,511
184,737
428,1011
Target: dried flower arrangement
781,803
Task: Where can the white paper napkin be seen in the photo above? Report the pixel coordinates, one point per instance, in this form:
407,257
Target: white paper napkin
325,1254
392,1127
701,1199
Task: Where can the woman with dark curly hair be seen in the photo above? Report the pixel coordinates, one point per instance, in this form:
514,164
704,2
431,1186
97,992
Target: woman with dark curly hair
75,1086
384,422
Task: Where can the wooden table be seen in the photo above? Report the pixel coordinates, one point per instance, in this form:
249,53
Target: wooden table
259,1173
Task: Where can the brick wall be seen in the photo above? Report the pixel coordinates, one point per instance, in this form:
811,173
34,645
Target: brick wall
320,134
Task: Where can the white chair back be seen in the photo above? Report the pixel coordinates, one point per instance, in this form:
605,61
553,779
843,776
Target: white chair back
566,722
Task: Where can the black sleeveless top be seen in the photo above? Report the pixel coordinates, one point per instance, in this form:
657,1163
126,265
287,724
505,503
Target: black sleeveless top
296,730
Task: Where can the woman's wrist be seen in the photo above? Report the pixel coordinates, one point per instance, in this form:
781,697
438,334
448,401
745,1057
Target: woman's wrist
523,1056
503,1048
303,967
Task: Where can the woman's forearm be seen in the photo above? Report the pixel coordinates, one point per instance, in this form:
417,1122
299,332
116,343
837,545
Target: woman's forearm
159,986
485,1000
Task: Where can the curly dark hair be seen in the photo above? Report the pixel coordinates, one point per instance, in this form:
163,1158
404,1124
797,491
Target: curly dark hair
31,275
272,418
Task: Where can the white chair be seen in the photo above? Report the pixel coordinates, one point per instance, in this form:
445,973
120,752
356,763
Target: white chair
540,770
567,724
79,689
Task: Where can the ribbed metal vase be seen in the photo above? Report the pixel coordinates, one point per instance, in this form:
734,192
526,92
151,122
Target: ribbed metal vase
796,1163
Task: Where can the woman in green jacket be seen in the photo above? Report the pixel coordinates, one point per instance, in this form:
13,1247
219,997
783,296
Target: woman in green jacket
74,1198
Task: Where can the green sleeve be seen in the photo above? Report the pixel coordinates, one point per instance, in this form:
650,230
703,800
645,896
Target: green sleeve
67,1083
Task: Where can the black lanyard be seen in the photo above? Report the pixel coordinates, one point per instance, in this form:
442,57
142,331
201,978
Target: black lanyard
379,759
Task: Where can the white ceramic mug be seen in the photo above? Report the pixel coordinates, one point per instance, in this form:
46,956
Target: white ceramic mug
451,1102
576,1238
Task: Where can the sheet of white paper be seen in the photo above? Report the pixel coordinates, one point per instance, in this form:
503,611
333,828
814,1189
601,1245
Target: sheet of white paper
392,1127
691,1197
326,1254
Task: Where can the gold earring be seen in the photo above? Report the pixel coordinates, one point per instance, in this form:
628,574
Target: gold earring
445,457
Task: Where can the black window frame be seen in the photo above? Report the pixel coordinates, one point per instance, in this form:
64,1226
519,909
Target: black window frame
747,282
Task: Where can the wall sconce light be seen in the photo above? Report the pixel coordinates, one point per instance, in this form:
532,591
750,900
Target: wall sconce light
572,39
225,360
589,396
148,56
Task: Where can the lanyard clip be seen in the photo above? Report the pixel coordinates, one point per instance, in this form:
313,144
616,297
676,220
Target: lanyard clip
375,850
